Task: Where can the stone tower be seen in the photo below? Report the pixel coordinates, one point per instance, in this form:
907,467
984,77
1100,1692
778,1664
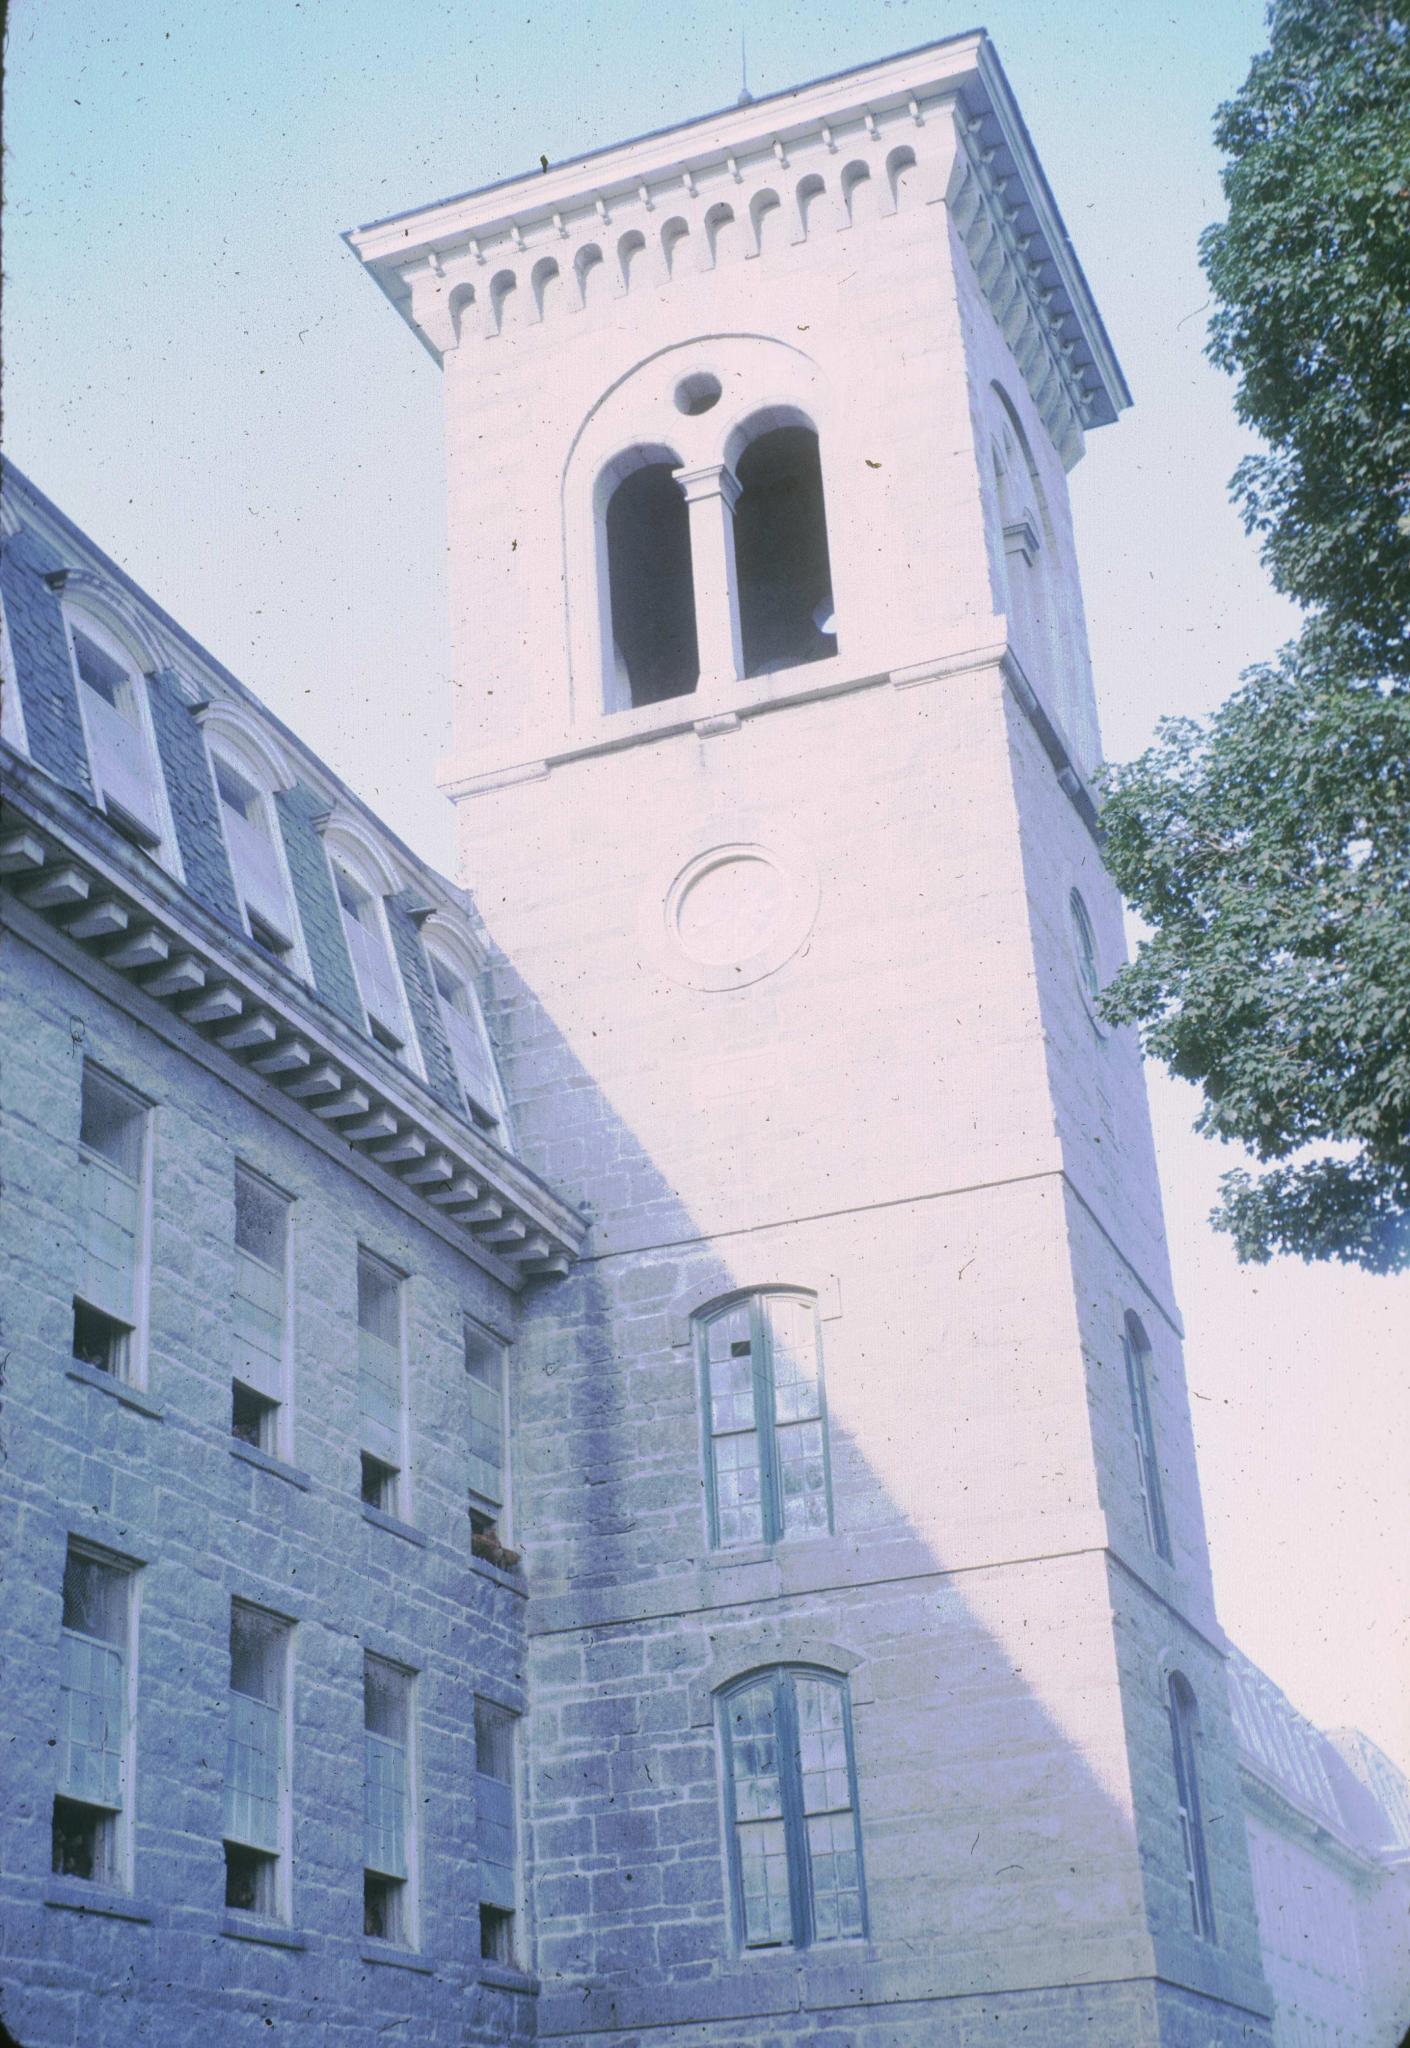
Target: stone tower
876,1691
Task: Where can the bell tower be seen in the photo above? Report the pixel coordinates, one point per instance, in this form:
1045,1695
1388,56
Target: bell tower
875,1670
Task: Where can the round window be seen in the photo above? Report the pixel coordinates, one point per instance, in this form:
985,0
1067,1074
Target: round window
697,393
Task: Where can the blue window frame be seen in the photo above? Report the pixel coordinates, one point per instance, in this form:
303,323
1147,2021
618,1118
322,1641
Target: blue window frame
795,1836
765,1419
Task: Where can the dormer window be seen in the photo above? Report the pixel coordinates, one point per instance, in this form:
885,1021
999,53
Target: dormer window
119,744
377,979
254,860
469,1045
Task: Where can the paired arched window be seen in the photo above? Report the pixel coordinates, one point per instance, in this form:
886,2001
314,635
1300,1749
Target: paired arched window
716,573
1184,1725
794,1836
766,1420
1136,1347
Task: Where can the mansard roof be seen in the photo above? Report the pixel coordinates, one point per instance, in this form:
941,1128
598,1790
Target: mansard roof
158,921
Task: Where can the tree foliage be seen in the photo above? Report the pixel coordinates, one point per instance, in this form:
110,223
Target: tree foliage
1269,848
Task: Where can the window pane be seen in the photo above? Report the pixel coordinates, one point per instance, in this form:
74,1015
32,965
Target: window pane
92,1687
763,1876
261,1220
832,1862
794,1350
739,1507
378,1300
754,1763
106,677
802,1476
384,1699
386,1714
822,1746
112,1123
484,1367
95,1598
236,793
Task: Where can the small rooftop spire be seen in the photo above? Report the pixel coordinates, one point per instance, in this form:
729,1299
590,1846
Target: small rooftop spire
746,98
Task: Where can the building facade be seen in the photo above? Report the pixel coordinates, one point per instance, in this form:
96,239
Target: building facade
612,1463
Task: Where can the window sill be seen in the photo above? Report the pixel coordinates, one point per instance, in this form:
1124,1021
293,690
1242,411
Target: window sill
272,1933
505,1977
266,1461
77,1895
394,1525
394,1958
120,1390
511,1579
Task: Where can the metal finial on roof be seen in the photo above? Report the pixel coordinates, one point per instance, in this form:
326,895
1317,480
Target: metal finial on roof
746,98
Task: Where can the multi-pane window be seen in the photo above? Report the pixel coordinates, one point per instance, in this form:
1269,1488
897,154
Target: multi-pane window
1137,1352
487,1454
470,1048
93,1791
495,1830
1184,1719
123,767
795,1840
259,1373
372,962
767,1424
256,1760
254,859
108,1289
381,1379
387,1856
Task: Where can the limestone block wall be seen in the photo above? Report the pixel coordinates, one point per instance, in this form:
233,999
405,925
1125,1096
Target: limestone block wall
154,1479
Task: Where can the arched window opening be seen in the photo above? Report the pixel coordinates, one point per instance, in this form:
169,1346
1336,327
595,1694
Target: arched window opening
1184,1723
650,587
1136,1347
250,838
780,542
119,745
378,981
1023,520
469,1043
761,1372
795,1831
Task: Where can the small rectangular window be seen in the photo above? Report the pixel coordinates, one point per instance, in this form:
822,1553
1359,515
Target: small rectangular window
487,1454
93,1761
110,1283
256,1770
387,1898
260,1311
496,1829
381,1365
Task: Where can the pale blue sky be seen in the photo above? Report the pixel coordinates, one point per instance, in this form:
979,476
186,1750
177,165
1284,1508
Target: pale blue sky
199,374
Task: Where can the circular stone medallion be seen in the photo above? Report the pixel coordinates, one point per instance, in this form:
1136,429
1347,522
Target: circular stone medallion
736,912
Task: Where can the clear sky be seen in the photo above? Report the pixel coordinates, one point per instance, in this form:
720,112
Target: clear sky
198,373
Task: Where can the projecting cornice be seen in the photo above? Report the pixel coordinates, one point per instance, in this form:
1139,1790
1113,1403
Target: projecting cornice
115,909
447,267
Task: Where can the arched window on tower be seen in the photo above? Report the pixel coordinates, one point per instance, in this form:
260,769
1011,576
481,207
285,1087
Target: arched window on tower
781,558
651,591
1184,1727
1027,599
